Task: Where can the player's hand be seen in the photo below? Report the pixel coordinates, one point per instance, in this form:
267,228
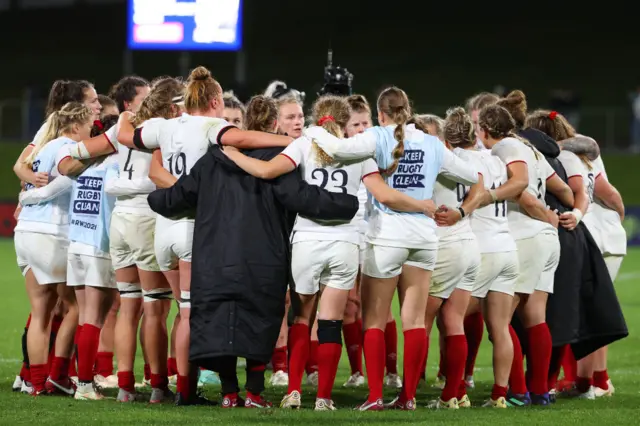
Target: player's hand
568,221
42,179
447,217
485,199
552,216
229,151
429,208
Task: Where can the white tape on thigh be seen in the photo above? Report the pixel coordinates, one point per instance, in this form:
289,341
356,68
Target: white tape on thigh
185,299
130,290
157,294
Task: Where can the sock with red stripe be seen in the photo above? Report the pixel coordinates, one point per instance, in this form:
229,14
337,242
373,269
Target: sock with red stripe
299,352
56,321
391,345
147,372
329,351
569,365
159,381
87,352
601,379
127,381
583,384
498,392
59,369
312,359
255,378
540,343
473,330
104,364
39,374
172,367
517,383
415,350
25,374
24,371
279,359
353,343
456,354
374,359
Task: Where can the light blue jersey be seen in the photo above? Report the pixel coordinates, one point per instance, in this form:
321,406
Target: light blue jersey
417,169
53,214
91,206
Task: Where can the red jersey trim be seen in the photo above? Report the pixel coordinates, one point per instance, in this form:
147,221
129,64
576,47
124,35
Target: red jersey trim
290,159
516,161
58,166
110,143
369,174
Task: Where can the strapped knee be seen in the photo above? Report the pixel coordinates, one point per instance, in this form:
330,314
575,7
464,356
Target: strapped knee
185,299
330,331
157,294
129,290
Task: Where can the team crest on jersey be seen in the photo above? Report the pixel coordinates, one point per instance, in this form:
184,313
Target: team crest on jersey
88,195
410,173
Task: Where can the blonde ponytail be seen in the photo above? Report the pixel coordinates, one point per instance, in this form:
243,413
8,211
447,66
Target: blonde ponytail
394,103
48,133
332,113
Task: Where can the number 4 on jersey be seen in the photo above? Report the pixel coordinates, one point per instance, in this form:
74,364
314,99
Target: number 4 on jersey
128,167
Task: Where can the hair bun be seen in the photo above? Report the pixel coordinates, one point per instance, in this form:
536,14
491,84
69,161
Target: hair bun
456,113
200,74
516,96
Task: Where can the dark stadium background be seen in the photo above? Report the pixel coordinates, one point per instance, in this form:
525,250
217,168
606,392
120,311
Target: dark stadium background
439,52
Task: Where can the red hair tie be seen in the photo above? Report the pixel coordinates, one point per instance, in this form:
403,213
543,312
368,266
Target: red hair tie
325,119
98,124
553,115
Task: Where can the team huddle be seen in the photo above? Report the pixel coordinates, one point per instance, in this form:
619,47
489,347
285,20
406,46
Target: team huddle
466,217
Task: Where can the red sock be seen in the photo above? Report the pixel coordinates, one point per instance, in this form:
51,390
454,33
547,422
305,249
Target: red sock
172,367
498,391
456,354
147,372
328,360
539,339
183,387
473,330
299,352
56,321
25,374
374,359
279,359
353,343
87,352
159,381
583,384
391,345
59,369
312,360
415,349
569,365
127,381
39,374
104,364
517,382
601,379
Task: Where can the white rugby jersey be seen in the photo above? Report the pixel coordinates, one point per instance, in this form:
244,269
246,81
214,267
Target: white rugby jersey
342,178
490,223
363,206
133,167
512,150
182,140
452,194
606,220
574,166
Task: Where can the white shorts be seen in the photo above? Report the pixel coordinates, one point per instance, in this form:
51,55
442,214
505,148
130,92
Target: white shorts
538,259
173,242
132,241
613,265
498,272
90,271
386,261
44,254
457,267
330,263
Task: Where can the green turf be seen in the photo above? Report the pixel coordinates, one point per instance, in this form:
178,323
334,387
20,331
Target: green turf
623,408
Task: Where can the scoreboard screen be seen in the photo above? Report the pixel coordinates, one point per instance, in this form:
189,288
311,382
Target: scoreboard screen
185,24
